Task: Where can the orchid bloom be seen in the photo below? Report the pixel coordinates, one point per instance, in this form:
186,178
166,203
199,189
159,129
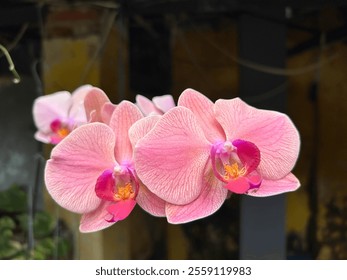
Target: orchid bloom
158,106
92,172
198,152
56,115
98,106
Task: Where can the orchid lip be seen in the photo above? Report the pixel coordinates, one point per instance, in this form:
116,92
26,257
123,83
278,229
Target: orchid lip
118,185
60,130
234,160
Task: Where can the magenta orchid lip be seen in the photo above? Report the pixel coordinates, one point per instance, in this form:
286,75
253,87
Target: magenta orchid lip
238,161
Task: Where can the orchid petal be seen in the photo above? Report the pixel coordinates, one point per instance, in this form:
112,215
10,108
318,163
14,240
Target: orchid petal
273,187
254,180
121,209
94,101
139,129
164,102
202,107
44,138
93,117
149,202
107,111
80,93
208,202
239,185
50,107
272,132
146,106
75,165
123,117
170,159
97,219
77,111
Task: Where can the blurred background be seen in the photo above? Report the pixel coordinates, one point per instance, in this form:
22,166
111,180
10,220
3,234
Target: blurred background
286,55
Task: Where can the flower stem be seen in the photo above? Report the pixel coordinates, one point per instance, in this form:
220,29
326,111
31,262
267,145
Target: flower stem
11,67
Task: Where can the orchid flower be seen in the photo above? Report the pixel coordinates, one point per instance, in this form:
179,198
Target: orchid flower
98,106
199,152
56,115
92,172
158,106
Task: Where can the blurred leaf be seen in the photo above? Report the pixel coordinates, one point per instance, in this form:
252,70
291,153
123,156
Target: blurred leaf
13,200
7,226
44,249
10,249
7,252
6,234
7,223
37,255
43,224
64,248
20,256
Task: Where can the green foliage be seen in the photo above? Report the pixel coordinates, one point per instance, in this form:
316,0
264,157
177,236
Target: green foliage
43,224
16,226
8,247
13,200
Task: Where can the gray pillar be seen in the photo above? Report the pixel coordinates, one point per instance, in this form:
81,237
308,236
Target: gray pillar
262,220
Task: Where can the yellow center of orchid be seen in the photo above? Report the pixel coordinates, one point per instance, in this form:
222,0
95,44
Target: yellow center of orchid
124,192
63,132
232,171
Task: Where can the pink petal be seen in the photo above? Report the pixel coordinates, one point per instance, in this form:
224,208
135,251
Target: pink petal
77,111
107,111
202,107
94,101
75,165
121,209
208,202
80,93
254,180
50,107
268,187
139,129
149,202
239,185
123,117
164,103
146,106
93,116
105,185
44,138
97,219
272,132
170,159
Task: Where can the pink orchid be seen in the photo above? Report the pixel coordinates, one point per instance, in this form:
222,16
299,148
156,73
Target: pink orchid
158,106
56,115
98,106
91,172
199,152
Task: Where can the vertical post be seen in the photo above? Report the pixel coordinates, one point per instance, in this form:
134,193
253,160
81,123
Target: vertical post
150,56
262,220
